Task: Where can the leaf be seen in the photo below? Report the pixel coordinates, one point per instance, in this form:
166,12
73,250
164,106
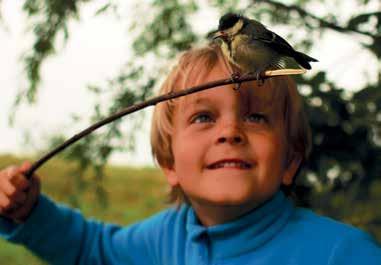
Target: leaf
103,9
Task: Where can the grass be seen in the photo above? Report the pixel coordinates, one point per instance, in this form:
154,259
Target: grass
132,194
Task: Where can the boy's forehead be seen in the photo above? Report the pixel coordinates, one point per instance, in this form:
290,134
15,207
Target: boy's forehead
246,93
200,75
249,94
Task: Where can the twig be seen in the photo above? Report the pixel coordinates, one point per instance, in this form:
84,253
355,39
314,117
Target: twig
152,102
303,13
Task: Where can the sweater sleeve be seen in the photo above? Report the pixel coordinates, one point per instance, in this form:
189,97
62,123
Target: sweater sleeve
61,235
356,248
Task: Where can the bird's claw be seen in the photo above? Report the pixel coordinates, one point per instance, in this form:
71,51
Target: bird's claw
260,78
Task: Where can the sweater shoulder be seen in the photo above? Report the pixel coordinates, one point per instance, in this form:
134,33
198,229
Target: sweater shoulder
312,223
308,236
167,218
329,234
160,227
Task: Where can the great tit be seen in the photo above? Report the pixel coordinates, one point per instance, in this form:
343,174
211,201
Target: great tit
249,45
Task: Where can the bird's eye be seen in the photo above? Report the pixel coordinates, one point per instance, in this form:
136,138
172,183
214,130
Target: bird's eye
202,118
257,118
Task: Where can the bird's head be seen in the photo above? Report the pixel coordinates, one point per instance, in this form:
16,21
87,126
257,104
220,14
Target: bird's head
230,24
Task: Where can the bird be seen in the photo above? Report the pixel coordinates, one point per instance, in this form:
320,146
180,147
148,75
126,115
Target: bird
253,48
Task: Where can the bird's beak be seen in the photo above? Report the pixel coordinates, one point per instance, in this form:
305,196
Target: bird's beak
220,34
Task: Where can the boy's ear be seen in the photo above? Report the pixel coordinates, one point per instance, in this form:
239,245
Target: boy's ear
291,170
170,174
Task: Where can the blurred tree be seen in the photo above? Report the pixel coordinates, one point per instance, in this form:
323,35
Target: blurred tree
346,125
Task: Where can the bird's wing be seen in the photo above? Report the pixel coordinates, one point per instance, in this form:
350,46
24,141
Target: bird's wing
275,42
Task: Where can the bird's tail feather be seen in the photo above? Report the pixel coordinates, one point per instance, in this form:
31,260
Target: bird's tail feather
304,59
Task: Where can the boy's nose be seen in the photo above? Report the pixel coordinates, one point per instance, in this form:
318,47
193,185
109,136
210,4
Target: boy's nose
232,140
232,134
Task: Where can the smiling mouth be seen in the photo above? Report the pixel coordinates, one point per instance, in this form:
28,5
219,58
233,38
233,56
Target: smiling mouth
240,164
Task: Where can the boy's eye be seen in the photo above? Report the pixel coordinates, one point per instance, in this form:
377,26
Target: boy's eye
256,117
201,118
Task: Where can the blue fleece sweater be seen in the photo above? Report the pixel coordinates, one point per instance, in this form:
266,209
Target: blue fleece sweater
275,233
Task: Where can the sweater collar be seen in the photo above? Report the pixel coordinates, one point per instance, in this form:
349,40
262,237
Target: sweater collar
246,233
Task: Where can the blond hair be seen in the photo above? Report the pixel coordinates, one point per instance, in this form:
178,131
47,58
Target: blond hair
202,60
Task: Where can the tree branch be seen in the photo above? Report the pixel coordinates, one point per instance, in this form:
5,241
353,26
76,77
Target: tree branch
323,23
152,102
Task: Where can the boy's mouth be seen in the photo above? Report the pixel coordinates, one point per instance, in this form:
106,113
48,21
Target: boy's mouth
230,163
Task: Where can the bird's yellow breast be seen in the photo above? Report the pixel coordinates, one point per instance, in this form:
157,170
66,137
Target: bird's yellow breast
248,54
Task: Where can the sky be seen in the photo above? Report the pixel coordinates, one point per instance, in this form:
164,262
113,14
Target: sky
94,53
96,50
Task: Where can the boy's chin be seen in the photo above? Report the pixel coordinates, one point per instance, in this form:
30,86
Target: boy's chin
230,199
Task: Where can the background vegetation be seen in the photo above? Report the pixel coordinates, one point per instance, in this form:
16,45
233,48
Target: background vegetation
134,193
342,178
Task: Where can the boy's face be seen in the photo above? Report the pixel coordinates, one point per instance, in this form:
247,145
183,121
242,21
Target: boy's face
229,146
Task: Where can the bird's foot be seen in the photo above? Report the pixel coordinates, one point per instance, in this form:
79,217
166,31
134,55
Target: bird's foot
260,78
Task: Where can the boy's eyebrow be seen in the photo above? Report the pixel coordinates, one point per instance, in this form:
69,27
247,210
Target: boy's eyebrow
197,101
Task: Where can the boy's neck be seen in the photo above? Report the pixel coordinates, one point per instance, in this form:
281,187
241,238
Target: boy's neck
210,215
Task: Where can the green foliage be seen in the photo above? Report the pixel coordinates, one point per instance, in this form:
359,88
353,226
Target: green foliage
94,151
169,28
47,20
343,133
345,205
134,193
226,5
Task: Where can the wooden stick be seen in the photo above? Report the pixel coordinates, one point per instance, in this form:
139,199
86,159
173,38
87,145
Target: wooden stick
152,102
285,72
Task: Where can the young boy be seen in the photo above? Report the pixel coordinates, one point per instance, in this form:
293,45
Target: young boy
230,157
